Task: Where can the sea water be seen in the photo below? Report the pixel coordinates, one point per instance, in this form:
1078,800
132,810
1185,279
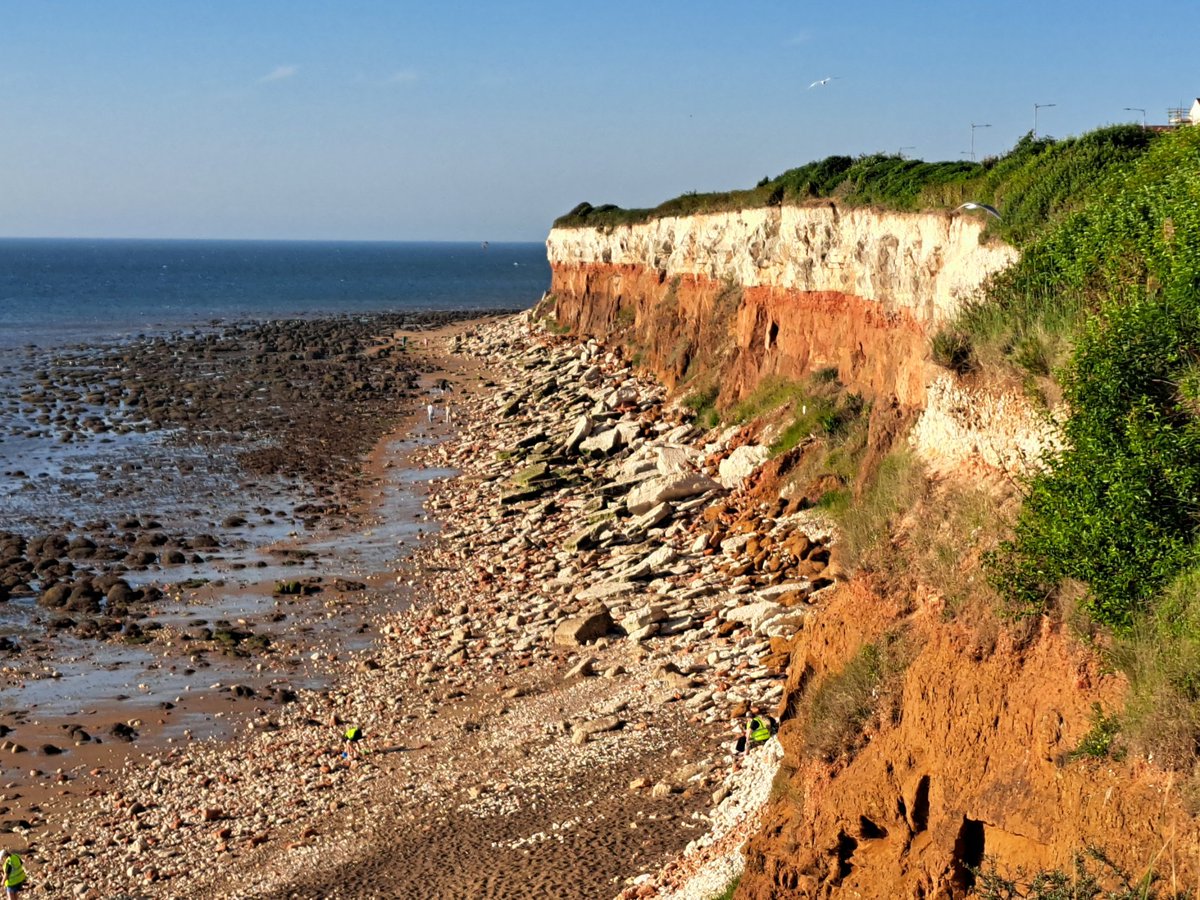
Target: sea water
96,290
71,293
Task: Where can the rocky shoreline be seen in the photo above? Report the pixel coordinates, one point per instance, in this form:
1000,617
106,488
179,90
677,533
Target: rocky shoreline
554,714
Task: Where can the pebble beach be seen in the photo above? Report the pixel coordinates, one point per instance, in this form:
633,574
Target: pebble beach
550,683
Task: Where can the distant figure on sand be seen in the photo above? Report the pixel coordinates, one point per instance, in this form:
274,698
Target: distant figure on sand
14,873
352,736
429,411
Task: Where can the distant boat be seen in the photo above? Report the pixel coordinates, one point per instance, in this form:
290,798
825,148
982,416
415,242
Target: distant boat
483,246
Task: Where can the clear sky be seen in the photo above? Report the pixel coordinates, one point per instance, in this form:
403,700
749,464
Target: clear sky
366,119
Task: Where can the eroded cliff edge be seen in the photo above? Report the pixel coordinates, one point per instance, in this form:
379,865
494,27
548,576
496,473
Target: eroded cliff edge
972,764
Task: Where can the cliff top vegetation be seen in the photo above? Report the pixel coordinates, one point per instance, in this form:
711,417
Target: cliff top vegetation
1039,181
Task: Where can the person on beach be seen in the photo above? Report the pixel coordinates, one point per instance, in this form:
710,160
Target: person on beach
14,873
758,731
353,735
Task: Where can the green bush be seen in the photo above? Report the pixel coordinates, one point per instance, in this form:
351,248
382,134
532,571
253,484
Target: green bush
1099,742
1117,509
1039,181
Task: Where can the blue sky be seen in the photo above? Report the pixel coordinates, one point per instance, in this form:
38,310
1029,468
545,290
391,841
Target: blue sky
473,121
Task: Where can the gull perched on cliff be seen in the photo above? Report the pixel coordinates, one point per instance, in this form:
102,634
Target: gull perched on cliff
821,83
971,204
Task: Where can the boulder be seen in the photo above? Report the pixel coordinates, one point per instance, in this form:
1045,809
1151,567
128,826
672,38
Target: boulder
647,615
607,589
581,429
647,495
580,733
590,625
672,462
605,443
583,668
740,464
650,566
754,614
654,517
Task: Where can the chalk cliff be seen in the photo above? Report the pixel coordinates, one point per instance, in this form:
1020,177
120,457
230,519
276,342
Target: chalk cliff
777,291
974,762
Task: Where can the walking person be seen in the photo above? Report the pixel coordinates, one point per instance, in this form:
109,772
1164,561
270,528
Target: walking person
14,873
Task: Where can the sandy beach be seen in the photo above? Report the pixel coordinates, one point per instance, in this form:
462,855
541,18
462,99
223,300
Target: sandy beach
550,685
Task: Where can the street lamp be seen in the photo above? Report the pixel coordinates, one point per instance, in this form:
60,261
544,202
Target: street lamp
973,127
1138,109
1036,107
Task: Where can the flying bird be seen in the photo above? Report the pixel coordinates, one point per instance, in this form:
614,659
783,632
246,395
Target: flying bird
822,82
970,204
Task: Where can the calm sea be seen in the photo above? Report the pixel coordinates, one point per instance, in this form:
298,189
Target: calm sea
96,290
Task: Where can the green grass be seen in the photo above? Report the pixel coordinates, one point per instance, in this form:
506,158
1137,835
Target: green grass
1038,181
1160,657
866,521
703,403
770,395
1093,877
841,703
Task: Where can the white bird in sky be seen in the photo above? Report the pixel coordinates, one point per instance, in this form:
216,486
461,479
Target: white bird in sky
822,82
971,204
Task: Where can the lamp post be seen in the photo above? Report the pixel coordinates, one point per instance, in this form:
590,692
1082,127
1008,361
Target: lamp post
1138,109
1036,107
973,127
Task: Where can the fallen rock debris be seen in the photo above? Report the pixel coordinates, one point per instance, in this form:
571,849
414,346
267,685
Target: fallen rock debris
597,602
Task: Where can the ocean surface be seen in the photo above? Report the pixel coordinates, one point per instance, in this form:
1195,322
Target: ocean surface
60,300
98,290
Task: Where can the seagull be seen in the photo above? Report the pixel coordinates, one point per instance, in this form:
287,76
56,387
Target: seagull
970,204
822,82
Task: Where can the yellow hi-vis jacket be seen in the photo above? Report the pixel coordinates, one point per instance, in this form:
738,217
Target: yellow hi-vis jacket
14,872
760,729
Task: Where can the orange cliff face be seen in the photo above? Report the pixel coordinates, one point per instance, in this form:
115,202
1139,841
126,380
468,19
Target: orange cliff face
974,763
776,292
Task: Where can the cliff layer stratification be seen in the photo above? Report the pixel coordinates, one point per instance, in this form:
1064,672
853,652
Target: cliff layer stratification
973,762
776,291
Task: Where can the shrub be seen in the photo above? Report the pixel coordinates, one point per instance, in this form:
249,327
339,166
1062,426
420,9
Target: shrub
1098,743
951,349
1116,509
